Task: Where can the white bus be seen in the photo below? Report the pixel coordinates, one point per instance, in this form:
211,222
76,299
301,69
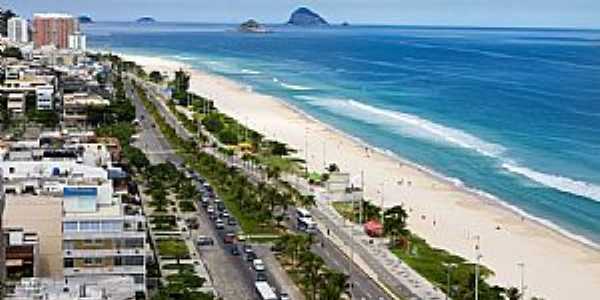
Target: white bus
264,291
303,213
307,225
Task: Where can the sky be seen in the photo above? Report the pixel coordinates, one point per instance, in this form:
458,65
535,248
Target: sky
485,13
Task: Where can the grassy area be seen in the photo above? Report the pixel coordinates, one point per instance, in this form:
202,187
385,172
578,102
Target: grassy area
187,206
345,209
163,222
182,267
432,263
172,248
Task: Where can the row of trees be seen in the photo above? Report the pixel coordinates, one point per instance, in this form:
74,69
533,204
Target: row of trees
309,270
259,207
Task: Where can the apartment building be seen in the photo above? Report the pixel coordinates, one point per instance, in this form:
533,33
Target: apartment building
16,104
22,254
53,30
76,107
18,30
98,236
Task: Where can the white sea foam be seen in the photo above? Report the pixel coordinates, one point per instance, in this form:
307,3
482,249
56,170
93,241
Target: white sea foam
418,127
408,124
564,184
295,87
184,57
250,72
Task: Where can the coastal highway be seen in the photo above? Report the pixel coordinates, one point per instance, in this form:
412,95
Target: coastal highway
230,275
362,286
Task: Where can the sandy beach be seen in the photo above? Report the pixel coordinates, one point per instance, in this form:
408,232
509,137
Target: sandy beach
446,215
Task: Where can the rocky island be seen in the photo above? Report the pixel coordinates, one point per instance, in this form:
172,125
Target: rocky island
306,17
252,26
145,20
85,19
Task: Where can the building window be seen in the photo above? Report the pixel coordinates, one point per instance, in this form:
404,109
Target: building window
11,170
89,226
133,260
70,227
92,261
112,226
68,263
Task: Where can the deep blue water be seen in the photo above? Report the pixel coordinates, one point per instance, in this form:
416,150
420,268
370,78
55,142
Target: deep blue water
513,113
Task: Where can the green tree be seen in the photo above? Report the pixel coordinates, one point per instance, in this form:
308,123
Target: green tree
333,285
395,221
513,293
311,267
155,77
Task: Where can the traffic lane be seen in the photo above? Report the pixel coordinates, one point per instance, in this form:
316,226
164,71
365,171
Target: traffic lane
362,286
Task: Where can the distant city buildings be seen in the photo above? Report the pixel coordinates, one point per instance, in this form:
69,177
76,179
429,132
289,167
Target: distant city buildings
53,30
18,30
78,41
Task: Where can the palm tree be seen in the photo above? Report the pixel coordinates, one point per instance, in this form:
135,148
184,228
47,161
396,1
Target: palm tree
333,285
395,221
513,293
311,267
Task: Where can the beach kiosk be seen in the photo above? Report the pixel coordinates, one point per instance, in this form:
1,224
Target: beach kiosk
373,228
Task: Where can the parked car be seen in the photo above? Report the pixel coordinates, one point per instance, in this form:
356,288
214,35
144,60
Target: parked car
251,256
204,241
229,238
219,224
258,265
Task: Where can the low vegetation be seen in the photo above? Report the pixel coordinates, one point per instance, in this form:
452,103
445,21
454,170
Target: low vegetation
308,270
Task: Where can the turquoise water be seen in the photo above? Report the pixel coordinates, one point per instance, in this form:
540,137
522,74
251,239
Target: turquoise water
513,113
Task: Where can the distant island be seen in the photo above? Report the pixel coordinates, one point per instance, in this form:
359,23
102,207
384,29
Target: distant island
252,26
306,17
145,20
85,19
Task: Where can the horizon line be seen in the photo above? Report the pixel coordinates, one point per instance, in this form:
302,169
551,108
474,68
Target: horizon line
361,24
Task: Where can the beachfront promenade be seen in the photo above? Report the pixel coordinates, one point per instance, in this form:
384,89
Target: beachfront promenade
371,256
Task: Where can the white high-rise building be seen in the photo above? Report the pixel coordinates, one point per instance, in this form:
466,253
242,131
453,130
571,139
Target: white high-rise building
77,41
18,30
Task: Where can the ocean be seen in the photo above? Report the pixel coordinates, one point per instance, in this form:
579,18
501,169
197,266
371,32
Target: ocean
513,113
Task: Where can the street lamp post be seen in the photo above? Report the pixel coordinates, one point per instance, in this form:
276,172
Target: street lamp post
449,266
522,267
479,256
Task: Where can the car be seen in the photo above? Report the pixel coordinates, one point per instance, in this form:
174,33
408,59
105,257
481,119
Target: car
231,221
224,215
247,248
210,209
219,224
205,202
258,265
250,256
284,296
234,251
229,238
204,241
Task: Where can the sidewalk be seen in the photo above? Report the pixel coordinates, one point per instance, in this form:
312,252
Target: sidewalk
391,271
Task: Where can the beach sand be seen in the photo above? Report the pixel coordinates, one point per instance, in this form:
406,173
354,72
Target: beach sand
446,215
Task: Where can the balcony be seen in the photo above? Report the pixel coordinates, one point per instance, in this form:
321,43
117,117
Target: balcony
76,253
112,270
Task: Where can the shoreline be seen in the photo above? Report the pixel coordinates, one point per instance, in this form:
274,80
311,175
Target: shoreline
492,206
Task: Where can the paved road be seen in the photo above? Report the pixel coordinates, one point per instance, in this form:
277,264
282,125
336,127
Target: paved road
363,286
230,276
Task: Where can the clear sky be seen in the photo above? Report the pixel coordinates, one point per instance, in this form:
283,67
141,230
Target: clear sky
504,13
